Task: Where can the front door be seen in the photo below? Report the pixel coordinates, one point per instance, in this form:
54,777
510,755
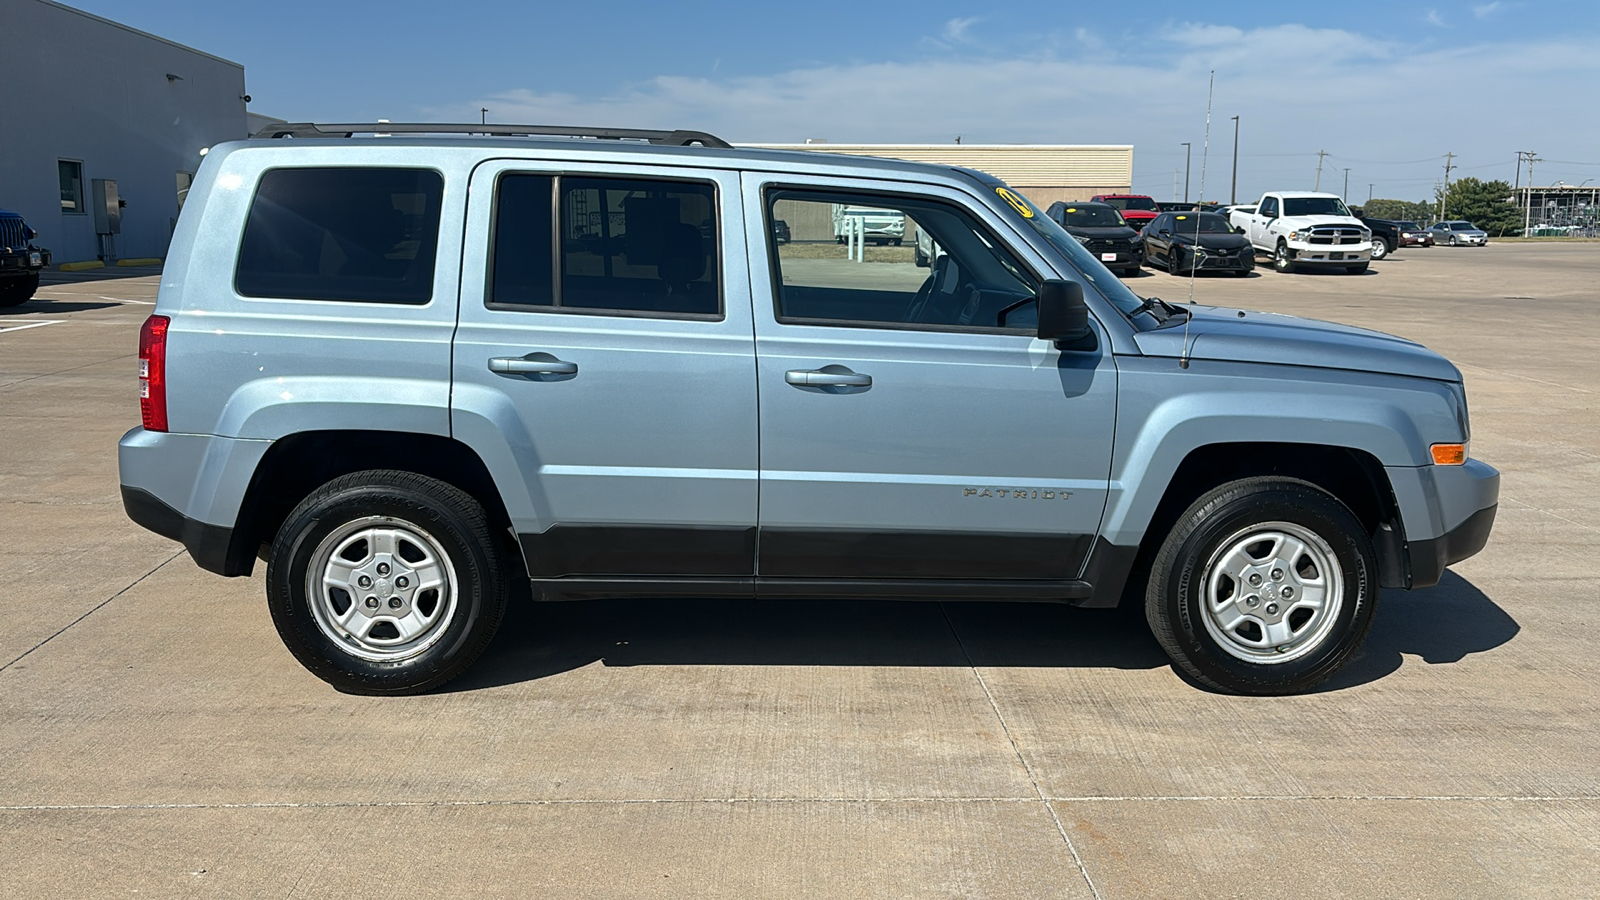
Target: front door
605,356
912,426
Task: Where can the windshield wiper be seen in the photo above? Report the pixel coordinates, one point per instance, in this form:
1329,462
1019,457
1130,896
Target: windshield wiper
1161,309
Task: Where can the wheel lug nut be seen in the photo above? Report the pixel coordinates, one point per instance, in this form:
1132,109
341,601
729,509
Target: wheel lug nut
1287,592
1252,601
1255,579
364,581
1272,609
394,602
383,568
1277,574
404,582
372,603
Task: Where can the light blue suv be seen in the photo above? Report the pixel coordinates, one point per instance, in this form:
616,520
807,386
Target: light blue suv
407,368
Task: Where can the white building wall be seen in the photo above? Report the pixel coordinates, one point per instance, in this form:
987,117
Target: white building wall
85,88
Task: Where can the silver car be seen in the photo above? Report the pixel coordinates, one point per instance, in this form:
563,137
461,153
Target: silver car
1458,233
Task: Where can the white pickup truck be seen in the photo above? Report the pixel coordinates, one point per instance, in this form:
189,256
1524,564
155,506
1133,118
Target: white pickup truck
1303,230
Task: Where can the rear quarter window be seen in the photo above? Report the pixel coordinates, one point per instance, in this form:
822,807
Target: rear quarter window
353,234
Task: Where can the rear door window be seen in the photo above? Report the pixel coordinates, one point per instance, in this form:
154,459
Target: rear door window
361,234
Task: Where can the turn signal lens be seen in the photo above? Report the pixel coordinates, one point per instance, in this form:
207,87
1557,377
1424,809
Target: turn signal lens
153,372
1449,454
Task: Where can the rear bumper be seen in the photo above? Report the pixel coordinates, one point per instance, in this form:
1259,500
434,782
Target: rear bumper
210,546
190,488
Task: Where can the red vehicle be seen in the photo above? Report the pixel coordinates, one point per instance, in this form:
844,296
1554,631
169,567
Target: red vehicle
1136,208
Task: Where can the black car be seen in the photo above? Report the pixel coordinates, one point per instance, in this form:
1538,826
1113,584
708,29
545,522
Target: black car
1197,242
1100,228
1387,236
780,231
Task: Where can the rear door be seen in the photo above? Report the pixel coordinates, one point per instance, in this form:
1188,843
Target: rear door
908,431
605,363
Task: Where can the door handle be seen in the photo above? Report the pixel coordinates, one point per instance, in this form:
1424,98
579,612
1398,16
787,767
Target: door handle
818,378
517,365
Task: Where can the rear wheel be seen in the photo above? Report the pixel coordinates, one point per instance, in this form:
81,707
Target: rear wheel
386,582
1263,586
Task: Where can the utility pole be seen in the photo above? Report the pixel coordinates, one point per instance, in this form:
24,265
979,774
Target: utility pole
1174,185
1369,192
1444,195
1346,195
1320,155
483,115
1527,216
1187,147
1233,193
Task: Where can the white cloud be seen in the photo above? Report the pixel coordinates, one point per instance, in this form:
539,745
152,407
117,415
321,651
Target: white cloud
955,30
1434,19
1297,90
1484,10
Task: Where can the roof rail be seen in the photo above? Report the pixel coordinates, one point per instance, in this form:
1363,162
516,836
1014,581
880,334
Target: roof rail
678,138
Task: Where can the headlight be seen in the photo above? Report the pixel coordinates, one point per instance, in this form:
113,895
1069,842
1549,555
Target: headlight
1294,235
1081,239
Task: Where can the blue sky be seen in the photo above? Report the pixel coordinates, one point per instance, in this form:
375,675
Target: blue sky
1385,87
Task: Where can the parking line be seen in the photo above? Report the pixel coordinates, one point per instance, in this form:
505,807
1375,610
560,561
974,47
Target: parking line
5,328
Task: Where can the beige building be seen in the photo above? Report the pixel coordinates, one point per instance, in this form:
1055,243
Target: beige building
1044,173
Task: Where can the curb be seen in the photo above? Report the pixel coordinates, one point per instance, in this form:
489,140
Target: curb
140,261
81,266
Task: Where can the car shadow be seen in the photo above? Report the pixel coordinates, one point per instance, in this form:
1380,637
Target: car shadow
39,305
538,640
109,273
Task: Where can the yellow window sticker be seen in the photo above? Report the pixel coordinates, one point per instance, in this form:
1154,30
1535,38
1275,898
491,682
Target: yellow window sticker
1017,203
1072,209
1181,218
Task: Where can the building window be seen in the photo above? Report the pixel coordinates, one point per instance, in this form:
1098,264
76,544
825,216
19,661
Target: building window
71,172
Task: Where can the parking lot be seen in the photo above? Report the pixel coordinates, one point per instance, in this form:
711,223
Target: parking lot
159,739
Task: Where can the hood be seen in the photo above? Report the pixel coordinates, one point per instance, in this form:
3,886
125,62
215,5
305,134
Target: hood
8,214
1141,214
1220,334
1294,223
1109,232
1212,241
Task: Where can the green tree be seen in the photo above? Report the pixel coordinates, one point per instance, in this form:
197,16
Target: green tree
1486,204
1398,210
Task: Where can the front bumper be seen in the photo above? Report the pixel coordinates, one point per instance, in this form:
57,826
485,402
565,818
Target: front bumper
1331,254
24,262
1447,513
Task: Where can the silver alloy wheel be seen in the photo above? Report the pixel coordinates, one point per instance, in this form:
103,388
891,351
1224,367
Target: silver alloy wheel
381,588
1280,258
1380,249
1271,593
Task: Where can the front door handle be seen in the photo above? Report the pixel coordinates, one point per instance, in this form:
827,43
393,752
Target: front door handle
824,378
517,365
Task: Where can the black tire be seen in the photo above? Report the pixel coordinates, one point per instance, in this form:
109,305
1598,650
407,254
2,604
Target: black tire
1131,271
1356,270
1282,262
1381,248
897,241
1174,260
917,257
1176,597
436,512
17,291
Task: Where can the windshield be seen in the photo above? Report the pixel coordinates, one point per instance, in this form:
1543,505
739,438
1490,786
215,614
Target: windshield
1025,213
1203,223
1132,203
1462,226
1091,217
1407,226
1314,206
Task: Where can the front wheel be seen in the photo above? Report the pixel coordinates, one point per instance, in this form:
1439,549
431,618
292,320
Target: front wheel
1380,248
17,291
386,582
1174,260
1264,586
1281,260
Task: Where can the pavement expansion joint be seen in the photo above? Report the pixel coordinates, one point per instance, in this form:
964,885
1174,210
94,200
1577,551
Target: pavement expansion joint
1033,779
97,607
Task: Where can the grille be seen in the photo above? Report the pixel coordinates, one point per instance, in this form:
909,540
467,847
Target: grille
11,233
1105,245
1336,234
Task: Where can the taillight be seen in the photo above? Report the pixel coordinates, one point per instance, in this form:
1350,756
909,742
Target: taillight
153,372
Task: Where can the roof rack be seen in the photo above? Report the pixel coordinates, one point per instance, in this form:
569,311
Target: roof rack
678,138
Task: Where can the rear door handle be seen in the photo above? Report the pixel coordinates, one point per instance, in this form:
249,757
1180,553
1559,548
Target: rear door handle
818,378
517,365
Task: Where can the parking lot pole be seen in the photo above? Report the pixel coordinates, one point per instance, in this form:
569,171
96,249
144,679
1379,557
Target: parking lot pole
1233,192
1187,148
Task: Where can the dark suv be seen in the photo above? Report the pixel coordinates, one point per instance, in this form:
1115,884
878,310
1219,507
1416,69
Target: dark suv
20,261
1100,228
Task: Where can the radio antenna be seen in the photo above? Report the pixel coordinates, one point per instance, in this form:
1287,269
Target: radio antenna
1194,268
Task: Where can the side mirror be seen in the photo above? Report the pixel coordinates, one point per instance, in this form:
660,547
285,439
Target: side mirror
1163,231
1064,317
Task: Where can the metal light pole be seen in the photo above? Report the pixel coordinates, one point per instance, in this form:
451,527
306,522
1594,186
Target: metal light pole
1186,152
483,115
1369,193
1233,193
1346,195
